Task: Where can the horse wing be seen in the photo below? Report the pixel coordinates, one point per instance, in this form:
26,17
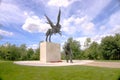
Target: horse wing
58,18
49,22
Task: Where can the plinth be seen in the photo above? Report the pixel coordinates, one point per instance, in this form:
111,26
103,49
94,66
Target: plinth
50,52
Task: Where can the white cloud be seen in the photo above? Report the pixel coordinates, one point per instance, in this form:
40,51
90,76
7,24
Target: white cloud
95,7
116,29
114,23
102,28
60,3
76,24
97,38
82,41
88,28
35,24
110,28
115,19
68,27
5,33
11,13
33,46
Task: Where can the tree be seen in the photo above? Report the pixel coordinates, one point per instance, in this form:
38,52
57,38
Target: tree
12,52
86,50
36,55
3,52
9,52
93,51
117,47
87,42
75,46
30,53
110,46
23,52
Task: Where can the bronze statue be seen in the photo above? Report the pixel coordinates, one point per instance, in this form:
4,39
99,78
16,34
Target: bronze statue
68,53
54,28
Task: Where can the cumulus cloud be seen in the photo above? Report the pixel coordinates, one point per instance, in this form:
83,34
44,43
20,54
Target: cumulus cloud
76,24
67,27
93,9
96,38
11,13
102,28
60,3
5,33
116,29
81,40
114,22
112,26
35,24
33,46
114,18
88,28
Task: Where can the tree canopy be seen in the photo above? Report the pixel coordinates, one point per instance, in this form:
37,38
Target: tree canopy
13,52
75,46
108,49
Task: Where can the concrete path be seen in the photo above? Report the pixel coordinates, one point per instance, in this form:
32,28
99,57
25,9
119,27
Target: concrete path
75,62
104,64
63,63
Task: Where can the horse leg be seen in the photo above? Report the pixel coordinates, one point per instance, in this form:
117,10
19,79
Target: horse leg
47,34
46,38
50,38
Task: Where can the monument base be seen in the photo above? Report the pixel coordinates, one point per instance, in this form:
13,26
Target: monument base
50,52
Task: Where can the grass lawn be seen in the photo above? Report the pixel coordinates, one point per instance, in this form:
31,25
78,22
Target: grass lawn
10,71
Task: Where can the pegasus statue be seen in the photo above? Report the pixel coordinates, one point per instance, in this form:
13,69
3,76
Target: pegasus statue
55,28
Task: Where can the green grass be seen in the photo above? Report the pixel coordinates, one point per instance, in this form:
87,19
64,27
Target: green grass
10,71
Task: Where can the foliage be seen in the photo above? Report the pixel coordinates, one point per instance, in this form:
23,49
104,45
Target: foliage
10,71
110,47
13,52
87,42
30,52
36,54
75,46
95,51
92,52
9,52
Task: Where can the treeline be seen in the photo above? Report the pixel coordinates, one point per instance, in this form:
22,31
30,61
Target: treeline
108,49
13,52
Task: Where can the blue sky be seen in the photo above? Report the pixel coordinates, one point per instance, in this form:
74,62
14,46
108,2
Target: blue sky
23,21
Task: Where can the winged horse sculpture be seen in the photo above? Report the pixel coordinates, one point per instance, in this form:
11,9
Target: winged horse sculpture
55,28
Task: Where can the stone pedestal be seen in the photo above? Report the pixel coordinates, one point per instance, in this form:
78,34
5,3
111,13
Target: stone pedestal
50,52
